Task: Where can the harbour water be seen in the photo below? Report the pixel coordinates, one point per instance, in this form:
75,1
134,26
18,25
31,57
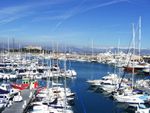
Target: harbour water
87,100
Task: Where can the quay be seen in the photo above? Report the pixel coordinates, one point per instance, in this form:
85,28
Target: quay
19,107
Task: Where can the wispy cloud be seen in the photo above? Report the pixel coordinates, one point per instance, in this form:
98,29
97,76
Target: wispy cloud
104,4
81,8
9,14
12,13
11,30
9,19
55,17
53,8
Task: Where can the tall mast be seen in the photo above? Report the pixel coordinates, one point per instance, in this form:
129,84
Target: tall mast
13,44
65,69
8,46
133,42
139,36
118,45
57,52
92,51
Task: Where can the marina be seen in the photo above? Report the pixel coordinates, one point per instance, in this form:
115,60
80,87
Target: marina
74,56
86,97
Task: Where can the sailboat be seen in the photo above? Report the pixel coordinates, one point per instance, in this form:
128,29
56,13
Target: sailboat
52,99
139,64
129,94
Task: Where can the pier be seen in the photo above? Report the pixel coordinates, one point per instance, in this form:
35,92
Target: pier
19,107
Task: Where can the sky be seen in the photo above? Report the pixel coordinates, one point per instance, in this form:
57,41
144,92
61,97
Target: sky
74,22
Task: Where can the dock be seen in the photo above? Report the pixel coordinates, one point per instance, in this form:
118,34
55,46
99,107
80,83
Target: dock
19,107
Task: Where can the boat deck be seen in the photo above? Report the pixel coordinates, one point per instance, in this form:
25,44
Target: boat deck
19,107
147,90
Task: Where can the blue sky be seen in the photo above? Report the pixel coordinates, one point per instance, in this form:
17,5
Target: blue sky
74,22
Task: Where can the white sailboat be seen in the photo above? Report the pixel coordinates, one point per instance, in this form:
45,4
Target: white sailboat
131,96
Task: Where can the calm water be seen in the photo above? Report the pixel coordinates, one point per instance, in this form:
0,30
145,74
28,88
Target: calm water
88,101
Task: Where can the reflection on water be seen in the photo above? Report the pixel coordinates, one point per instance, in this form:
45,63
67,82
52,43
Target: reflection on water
91,99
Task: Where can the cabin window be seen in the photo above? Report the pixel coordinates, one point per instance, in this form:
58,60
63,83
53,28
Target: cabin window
1,71
45,104
34,71
40,71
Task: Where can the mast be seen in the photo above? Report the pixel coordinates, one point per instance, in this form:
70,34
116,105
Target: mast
133,64
118,46
8,46
92,48
139,36
13,44
57,53
92,59
3,52
65,83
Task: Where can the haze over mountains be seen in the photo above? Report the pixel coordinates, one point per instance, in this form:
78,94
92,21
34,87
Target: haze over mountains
75,49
